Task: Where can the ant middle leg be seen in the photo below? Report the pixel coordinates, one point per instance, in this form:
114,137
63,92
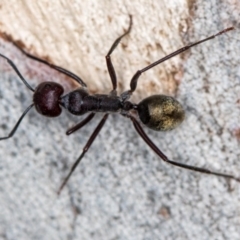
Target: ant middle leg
110,67
85,149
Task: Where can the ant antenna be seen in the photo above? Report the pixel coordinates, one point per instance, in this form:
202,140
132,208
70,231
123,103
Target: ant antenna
18,73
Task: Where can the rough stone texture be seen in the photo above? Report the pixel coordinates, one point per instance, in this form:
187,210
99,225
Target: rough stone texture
78,34
122,190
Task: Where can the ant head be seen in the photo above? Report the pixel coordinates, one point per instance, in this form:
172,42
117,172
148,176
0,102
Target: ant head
46,99
160,112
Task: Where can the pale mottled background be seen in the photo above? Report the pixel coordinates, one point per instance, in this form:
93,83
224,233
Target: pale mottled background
122,190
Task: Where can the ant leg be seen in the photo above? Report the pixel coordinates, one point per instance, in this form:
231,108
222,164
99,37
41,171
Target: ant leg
85,149
110,67
18,73
134,80
17,124
81,124
60,69
165,158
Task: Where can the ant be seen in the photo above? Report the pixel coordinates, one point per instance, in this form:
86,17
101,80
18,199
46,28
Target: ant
157,112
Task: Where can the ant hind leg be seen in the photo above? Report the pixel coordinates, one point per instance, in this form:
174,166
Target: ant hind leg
149,142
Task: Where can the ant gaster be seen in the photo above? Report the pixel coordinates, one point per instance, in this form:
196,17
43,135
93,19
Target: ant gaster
158,112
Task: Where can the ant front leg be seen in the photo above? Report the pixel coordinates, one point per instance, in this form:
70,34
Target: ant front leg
81,124
57,68
110,67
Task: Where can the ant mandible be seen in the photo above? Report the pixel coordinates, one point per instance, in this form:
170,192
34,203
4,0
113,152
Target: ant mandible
158,112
